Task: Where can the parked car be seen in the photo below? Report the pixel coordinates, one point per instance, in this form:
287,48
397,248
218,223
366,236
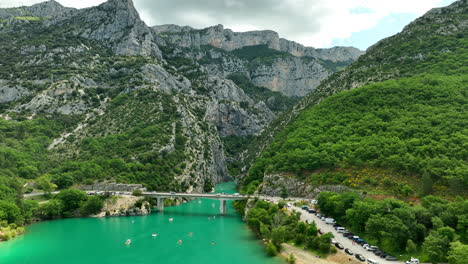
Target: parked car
372,248
333,241
378,252
383,255
339,246
329,221
360,257
313,201
305,207
390,258
412,261
319,215
348,251
372,261
336,226
341,229
312,211
323,218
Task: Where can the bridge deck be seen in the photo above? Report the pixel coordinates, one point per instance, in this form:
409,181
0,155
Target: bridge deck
195,195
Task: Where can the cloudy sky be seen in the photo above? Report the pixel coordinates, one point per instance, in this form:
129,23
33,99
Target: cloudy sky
316,23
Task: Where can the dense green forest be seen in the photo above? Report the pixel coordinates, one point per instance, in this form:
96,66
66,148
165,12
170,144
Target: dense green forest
429,230
412,125
115,150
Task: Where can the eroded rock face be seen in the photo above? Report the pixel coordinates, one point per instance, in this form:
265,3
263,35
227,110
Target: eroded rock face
45,9
290,76
226,39
274,184
294,70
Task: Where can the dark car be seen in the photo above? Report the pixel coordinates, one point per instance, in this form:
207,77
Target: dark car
391,258
350,236
360,257
346,234
348,251
336,226
383,255
339,246
312,211
378,252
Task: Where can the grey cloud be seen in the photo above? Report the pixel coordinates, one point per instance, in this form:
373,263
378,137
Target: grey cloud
291,19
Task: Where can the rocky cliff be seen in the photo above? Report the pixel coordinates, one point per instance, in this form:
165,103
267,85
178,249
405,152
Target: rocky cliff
146,105
265,58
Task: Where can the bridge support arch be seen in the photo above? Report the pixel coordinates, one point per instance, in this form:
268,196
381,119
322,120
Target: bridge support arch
222,206
160,204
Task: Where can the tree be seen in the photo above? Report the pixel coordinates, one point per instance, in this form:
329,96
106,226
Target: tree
29,210
406,190
458,253
284,192
52,209
92,206
278,236
436,245
410,247
427,183
388,227
43,183
63,180
10,212
72,199
137,192
271,249
291,259
264,231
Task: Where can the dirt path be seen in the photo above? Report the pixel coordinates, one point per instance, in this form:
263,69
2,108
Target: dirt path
307,257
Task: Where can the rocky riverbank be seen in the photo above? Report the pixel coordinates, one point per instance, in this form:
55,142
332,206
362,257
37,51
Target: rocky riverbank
125,205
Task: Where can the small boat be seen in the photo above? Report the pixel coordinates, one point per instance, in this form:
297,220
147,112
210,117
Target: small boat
128,242
171,219
154,235
213,243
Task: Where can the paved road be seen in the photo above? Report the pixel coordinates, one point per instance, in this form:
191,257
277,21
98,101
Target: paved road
356,249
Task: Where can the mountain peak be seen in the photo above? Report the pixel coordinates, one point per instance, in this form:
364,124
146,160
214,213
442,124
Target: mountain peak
49,8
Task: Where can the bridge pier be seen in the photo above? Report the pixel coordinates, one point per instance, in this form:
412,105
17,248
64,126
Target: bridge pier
222,206
160,204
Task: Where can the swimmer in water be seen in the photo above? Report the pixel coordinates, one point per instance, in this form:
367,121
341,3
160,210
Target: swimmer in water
209,218
179,242
213,243
190,234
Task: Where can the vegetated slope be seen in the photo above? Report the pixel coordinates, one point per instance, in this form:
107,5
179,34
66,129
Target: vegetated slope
412,125
434,44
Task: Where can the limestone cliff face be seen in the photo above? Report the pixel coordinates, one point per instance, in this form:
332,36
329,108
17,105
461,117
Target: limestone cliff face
226,39
115,22
294,70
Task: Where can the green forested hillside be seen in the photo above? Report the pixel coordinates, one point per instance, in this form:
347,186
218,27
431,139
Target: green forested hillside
411,122
412,125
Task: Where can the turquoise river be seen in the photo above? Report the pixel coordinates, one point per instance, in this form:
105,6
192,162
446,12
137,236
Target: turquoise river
206,238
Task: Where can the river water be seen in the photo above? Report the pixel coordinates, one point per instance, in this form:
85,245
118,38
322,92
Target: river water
206,236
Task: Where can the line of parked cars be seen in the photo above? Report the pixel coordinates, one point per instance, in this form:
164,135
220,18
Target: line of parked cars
356,239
